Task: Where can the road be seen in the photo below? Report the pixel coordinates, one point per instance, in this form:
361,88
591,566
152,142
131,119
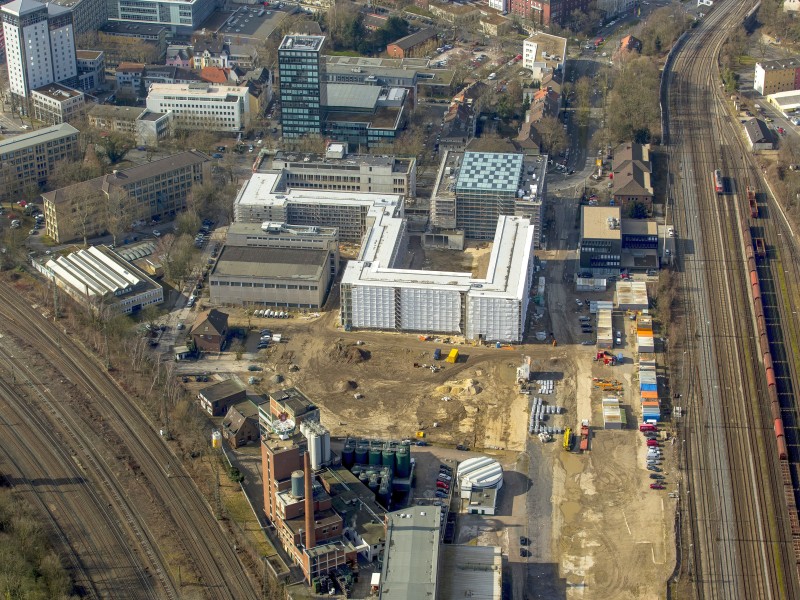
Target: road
733,503
127,433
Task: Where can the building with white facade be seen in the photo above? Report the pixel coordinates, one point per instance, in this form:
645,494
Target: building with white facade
266,198
501,5
543,51
91,69
378,293
100,279
40,45
55,103
181,16
202,105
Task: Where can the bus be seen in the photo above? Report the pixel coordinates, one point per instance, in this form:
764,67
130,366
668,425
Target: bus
718,187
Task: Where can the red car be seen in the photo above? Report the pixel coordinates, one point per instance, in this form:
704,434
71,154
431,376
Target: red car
781,130
657,486
652,443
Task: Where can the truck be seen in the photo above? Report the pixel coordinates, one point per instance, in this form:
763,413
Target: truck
584,436
437,354
453,356
751,200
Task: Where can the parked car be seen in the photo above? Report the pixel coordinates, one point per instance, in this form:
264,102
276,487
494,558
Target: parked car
254,368
657,486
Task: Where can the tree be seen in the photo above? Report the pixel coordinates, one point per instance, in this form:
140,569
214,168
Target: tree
68,172
553,138
86,200
116,145
238,349
187,223
120,213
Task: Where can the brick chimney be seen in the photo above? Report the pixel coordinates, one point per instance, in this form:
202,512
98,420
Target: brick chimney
310,534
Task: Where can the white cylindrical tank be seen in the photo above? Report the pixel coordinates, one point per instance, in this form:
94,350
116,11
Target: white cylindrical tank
298,484
216,439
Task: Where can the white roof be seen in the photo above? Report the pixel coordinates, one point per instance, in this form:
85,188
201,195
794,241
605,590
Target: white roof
480,472
506,276
195,90
93,272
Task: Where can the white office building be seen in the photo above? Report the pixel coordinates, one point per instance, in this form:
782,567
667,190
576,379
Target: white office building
40,45
181,16
202,105
378,293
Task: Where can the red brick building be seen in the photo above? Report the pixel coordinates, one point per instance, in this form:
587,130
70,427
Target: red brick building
547,12
210,330
411,44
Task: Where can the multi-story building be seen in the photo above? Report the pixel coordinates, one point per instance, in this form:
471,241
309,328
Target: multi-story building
155,189
87,15
543,51
615,8
116,38
265,197
379,292
414,44
181,16
548,12
168,74
301,68
500,5
27,160
91,69
364,116
152,128
40,46
130,77
337,170
54,104
202,105
600,245
632,170
779,75
147,127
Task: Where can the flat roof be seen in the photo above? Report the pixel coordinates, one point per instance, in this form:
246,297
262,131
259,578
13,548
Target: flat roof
95,272
353,95
59,92
639,227
302,43
278,263
107,111
595,222
784,100
197,89
470,572
779,63
88,54
150,115
306,160
285,229
411,557
134,29
370,62
490,171
40,136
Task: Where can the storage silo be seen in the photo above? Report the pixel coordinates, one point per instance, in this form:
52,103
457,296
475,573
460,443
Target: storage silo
375,453
363,477
403,461
298,484
387,457
348,453
385,493
362,452
326,445
373,482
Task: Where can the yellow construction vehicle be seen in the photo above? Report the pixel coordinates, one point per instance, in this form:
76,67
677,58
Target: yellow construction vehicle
567,439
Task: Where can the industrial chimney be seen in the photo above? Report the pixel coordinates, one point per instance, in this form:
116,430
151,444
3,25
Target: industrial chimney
310,534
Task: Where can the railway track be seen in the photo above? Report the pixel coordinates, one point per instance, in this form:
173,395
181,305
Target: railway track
220,572
735,509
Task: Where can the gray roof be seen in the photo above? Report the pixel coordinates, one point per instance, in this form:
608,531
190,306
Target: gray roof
275,263
222,390
415,39
352,95
489,171
302,43
778,63
410,561
107,111
40,136
757,131
21,7
471,572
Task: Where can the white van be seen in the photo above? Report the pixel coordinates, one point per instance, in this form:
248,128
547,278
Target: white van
492,76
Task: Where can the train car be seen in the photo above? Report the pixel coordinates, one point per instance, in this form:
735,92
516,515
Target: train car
751,201
718,186
761,247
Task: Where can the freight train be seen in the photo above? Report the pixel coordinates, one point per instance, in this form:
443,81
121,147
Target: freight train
763,339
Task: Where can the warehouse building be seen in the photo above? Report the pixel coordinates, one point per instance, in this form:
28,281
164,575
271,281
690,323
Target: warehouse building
265,197
377,293
100,279
270,277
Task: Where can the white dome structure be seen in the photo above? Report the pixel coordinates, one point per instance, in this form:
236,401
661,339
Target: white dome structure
479,473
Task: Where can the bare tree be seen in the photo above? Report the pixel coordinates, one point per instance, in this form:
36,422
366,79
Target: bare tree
119,212
553,138
86,200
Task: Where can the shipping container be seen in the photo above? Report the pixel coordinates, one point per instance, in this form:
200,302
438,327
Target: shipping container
437,354
453,356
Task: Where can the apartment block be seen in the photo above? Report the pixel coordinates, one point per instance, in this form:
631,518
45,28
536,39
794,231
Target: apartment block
91,69
156,189
40,45
55,103
202,105
780,75
87,15
27,160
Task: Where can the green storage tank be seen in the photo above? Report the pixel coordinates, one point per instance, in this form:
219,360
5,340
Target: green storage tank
375,453
403,461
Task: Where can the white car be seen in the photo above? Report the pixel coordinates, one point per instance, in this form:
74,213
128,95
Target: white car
156,233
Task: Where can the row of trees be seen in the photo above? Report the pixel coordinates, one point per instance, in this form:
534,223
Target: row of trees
29,567
662,29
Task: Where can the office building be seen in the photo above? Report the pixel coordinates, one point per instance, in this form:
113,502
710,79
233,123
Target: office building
549,12
155,189
40,46
779,75
266,198
339,171
116,38
473,189
147,127
364,116
55,104
27,160
181,16
542,51
91,69
202,105
600,246
101,280
301,67
87,15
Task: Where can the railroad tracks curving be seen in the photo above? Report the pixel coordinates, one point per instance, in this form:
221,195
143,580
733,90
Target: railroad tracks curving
735,503
205,543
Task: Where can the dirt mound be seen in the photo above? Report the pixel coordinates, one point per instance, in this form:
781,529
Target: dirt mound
349,353
345,385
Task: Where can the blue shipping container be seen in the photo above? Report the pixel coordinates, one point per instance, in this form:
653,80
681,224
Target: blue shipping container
648,387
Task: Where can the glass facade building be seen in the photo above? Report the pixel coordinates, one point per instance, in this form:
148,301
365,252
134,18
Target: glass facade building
301,67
